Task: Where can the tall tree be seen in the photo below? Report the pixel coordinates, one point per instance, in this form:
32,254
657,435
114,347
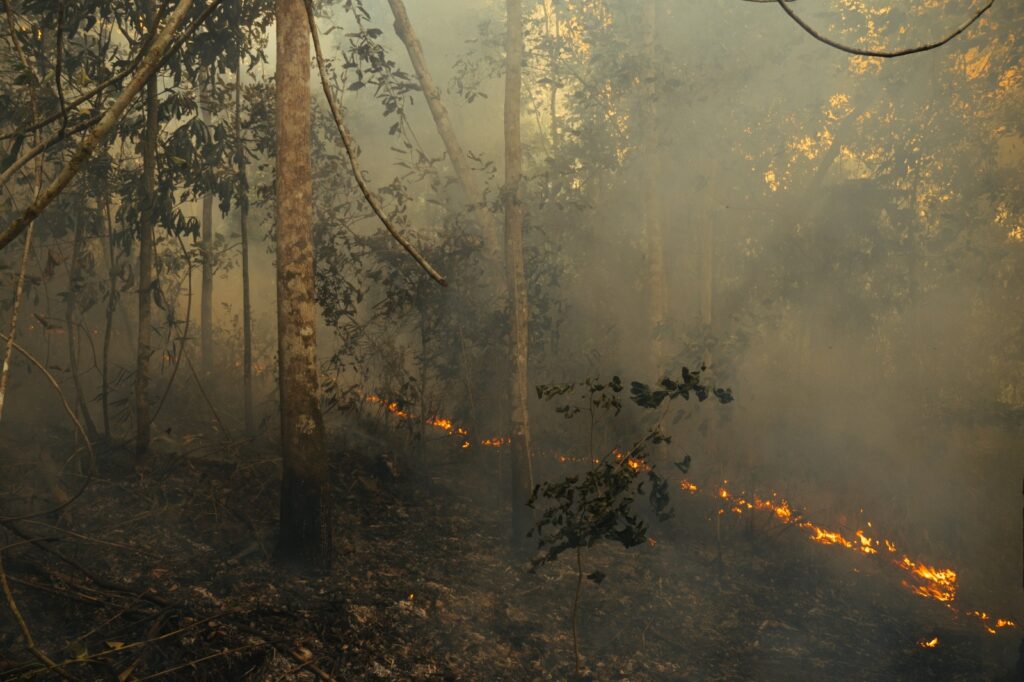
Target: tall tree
243,225
522,468
146,229
206,242
305,534
460,162
649,178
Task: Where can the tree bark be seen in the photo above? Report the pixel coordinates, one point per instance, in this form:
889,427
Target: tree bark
522,473
470,187
243,224
650,177
206,248
146,229
305,534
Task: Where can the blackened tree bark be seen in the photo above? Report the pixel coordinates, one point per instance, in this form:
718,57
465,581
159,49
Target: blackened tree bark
522,473
305,534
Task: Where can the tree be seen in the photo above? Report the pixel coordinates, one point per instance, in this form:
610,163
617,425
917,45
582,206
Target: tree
522,469
146,228
305,531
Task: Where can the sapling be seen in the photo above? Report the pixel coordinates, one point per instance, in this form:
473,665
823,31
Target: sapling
581,510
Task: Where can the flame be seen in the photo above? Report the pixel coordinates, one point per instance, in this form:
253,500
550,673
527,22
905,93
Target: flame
937,584
687,486
929,643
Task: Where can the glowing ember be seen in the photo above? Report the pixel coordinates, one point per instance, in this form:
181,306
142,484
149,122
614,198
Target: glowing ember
688,487
929,643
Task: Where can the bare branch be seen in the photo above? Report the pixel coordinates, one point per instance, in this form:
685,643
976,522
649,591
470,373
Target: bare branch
350,149
880,53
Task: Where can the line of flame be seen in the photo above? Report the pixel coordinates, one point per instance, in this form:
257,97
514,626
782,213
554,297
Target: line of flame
939,584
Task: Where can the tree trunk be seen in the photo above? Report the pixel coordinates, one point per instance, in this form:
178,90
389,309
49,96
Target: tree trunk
243,224
72,331
108,328
149,143
470,187
305,536
206,248
650,177
522,473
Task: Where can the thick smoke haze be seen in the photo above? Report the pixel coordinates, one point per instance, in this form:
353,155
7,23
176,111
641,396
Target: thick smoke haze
840,244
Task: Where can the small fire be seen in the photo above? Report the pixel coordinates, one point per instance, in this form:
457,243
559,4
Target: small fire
687,486
929,643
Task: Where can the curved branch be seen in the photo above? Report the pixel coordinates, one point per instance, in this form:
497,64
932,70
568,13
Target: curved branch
882,53
74,419
350,149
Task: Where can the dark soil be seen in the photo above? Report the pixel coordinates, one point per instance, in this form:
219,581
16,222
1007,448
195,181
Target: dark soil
167,572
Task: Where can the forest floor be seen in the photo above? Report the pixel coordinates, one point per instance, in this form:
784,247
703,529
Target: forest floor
167,572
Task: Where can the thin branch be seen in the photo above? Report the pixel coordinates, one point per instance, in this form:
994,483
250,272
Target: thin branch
30,643
881,53
350,149
58,67
184,333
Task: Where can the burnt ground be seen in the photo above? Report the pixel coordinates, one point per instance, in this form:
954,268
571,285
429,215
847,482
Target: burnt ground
167,573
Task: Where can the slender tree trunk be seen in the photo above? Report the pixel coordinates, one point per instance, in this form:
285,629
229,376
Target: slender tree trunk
19,288
146,229
522,473
305,537
243,224
470,187
206,248
108,327
650,177
707,319
72,331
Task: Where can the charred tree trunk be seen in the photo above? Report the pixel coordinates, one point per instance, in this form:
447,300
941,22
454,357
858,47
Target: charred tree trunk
305,535
71,303
470,187
206,248
243,225
522,473
146,229
650,177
